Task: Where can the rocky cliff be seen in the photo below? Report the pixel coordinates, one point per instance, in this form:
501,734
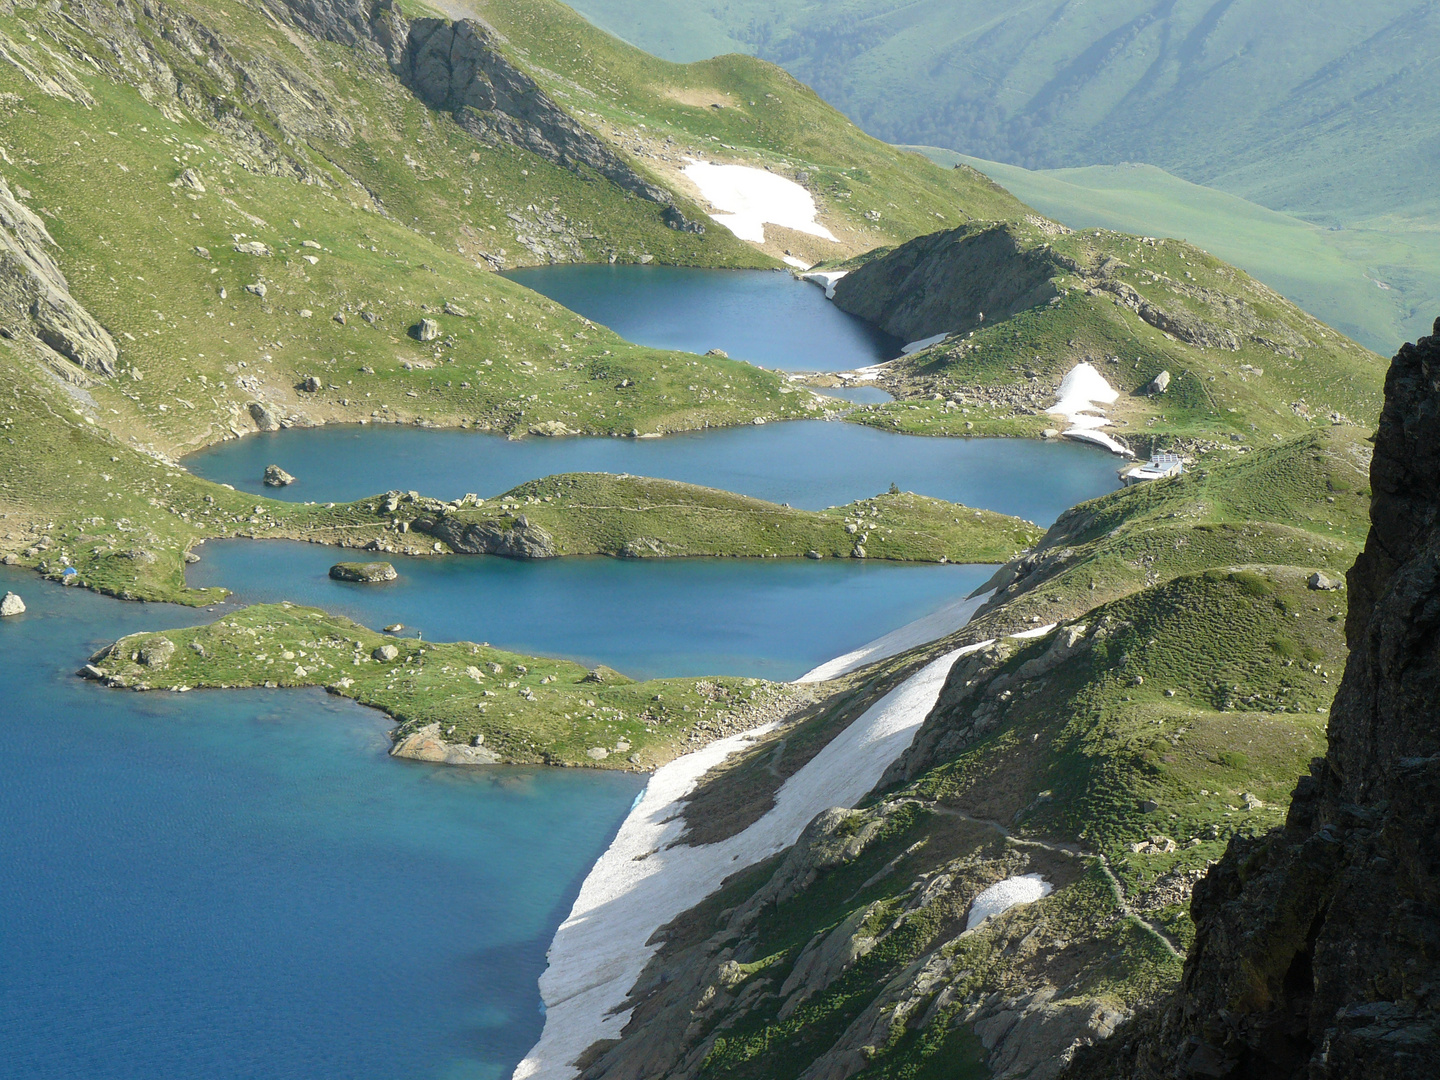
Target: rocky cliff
1317,952
460,68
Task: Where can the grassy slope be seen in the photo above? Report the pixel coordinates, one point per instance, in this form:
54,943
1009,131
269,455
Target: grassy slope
768,119
1318,109
1372,283
1203,676
401,204
526,709
1288,375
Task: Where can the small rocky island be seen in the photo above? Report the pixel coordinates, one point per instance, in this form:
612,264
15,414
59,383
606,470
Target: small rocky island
366,573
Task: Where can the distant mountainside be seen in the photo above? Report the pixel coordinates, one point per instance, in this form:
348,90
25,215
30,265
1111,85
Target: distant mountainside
1381,286
1319,109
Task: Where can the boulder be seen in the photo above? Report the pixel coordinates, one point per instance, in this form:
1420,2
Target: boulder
365,573
11,605
312,385
1322,582
258,288
253,247
720,353
189,178
455,309
1159,384
275,476
428,744
385,653
427,330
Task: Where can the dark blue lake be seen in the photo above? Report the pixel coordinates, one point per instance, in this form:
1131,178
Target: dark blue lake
767,618
764,316
242,884
807,463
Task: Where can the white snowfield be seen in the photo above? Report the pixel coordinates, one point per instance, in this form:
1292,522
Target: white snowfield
936,625
640,885
747,199
923,343
826,279
1082,392
1004,895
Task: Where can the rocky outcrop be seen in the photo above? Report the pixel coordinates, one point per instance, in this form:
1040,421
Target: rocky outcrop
519,538
459,68
428,744
363,573
35,297
950,282
1317,952
1181,324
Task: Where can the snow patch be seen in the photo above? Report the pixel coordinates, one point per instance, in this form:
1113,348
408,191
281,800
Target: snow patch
1038,632
792,261
1082,392
747,199
923,343
933,626
1004,895
641,883
826,279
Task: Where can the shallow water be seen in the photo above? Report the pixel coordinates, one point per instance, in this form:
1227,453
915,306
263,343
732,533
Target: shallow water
807,463
767,618
762,316
241,884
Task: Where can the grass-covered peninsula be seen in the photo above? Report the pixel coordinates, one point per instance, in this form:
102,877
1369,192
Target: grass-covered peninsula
460,702
641,517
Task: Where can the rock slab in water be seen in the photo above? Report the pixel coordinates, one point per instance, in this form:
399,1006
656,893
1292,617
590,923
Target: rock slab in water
275,476
363,572
427,744
11,605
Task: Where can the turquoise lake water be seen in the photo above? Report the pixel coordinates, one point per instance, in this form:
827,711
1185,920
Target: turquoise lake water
242,884
762,316
772,619
807,463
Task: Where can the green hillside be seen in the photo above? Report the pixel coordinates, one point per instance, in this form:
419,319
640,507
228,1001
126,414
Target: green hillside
1376,284
1322,110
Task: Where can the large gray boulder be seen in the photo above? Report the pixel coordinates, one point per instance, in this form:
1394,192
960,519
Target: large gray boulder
275,476
11,605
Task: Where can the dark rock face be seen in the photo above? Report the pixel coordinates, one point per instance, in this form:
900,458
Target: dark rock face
949,282
1317,953
35,294
518,540
457,67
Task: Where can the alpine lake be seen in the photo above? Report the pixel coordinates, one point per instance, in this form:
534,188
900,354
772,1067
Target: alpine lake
233,884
